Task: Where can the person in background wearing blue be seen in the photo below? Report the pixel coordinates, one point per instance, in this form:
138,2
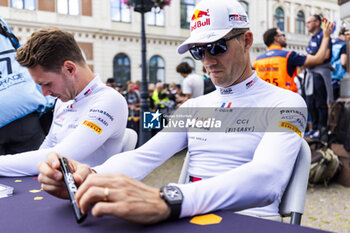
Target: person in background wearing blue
318,86
21,100
339,60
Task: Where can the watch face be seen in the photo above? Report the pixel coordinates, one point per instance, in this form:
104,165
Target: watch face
172,193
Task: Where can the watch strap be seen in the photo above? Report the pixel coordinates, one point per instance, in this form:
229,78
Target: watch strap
175,207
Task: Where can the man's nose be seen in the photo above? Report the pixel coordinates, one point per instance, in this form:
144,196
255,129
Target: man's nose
209,59
45,91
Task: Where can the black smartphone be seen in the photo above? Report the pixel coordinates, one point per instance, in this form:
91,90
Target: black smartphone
71,188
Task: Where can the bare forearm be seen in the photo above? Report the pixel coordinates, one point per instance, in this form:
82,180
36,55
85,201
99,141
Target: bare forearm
343,60
324,52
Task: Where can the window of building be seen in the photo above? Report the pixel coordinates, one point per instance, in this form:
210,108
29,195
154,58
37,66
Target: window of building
23,4
155,17
187,7
68,7
121,69
300,27
245,6
156,69
279,18
191,62
120,11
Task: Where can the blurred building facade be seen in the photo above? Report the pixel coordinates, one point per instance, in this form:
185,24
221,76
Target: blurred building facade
108,32
345,11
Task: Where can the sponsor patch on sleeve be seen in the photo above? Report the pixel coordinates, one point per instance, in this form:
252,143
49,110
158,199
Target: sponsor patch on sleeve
92,126
287,125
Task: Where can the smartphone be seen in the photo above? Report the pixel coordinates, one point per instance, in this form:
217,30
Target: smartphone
71,188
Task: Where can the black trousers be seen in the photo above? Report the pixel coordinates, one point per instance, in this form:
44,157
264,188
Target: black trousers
24,134
317,103
336,89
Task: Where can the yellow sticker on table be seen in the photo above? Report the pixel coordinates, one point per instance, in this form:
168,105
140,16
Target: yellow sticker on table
35,190
207,219
93,126
287,125
38,198
18,181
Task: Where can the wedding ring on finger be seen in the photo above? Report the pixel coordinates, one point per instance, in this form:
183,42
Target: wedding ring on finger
106,194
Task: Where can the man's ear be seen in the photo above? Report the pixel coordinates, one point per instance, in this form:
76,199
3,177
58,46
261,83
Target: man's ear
69,68
248,40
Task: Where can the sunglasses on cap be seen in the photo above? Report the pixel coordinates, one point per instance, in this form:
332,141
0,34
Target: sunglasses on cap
214,48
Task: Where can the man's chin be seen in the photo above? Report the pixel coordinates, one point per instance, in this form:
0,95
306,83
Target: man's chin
217,83
214,77
62,99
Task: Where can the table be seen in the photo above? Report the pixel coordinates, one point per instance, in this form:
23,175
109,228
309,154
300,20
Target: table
38,212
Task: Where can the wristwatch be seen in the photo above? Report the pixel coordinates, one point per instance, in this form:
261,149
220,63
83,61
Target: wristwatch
173,197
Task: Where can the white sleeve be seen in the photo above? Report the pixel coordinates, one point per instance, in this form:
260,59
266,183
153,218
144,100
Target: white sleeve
254,184
140,162
80,143
48,143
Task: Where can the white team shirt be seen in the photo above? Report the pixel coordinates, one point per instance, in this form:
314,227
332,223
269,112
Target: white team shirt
242,170
88,129
193,84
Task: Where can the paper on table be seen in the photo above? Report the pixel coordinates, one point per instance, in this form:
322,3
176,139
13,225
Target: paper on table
5,191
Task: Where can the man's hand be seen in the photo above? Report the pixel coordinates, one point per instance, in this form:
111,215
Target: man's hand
328,27
122,197
51,178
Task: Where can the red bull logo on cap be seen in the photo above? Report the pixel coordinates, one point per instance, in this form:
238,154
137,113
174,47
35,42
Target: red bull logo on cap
198,14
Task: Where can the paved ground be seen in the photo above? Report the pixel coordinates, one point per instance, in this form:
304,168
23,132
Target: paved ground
326,208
